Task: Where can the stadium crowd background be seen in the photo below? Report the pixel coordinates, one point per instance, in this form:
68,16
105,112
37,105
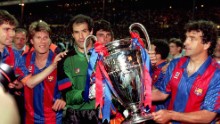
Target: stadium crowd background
161,18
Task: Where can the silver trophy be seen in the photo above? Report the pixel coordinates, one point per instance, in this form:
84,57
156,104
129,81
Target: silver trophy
124,67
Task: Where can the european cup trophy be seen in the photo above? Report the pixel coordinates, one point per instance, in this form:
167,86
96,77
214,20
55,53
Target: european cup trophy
123,65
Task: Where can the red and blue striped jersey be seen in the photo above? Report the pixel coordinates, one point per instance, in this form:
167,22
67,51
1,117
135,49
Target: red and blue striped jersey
157,77
40,99
8,56
200,91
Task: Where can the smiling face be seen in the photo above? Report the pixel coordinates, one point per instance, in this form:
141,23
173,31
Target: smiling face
41,42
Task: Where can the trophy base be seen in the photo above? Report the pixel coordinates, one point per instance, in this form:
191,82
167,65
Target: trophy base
137,118
136,115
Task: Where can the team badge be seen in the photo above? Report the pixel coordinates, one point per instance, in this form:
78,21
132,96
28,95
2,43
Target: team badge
30,68
198,91
77,70
50,78
177,74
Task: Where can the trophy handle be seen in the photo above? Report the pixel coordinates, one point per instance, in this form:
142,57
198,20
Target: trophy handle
143,30
85,43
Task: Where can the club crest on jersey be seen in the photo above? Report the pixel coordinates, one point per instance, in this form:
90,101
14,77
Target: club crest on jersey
50,78
177,74
198,91
77,70
30,68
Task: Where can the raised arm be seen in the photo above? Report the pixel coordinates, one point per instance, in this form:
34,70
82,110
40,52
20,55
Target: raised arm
33,80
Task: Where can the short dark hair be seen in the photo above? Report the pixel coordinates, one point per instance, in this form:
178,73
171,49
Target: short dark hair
208,29
176,41
80,18
6,17
102,25
162,47
18,30
37,26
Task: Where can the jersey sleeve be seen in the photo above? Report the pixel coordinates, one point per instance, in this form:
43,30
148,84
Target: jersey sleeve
212,99
159,79
63,80
21,70
164,85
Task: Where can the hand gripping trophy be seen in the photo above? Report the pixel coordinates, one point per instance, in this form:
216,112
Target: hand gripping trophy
122,68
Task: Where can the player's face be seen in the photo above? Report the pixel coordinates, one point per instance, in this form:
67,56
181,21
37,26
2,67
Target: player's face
104,36
20,40
41,42
174,49
217,51
7,33
194,45
80,32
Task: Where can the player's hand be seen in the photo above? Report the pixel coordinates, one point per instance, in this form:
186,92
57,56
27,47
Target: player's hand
92,91
59,57
162,116
58,105
15,85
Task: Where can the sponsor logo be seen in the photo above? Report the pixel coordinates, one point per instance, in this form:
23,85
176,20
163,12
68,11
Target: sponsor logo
177,74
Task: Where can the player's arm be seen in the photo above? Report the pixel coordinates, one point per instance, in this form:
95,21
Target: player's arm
157,95
202,116
34,80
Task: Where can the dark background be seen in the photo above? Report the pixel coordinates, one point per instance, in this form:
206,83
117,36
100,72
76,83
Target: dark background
161,18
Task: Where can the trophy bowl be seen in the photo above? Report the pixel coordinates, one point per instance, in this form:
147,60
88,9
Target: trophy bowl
123,66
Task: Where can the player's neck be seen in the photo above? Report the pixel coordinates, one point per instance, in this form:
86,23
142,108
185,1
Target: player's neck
194,64
87,48
41,60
